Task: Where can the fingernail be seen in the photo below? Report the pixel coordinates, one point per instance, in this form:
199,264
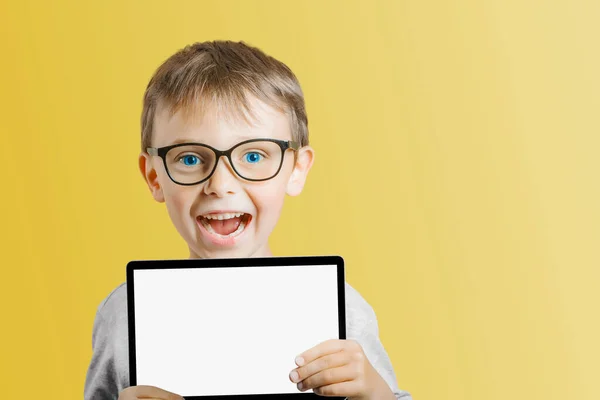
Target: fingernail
300,361
300,385
294,375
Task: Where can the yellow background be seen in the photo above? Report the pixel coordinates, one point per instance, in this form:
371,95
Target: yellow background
457,173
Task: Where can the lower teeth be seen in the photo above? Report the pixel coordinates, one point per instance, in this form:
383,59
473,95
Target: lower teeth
239,229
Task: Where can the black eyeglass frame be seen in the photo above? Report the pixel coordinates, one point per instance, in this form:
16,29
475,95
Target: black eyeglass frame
162,153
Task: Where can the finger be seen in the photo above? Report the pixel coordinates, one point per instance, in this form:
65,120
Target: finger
328,377
326,362
342,389
148,392
327,347
150,398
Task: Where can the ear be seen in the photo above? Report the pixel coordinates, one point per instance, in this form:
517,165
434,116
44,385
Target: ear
150,176
304,161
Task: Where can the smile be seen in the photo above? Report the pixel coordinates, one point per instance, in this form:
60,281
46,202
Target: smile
225,225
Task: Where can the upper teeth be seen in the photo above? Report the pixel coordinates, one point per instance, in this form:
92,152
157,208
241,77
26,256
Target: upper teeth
223,216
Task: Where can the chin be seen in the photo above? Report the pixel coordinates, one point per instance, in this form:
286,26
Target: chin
221,253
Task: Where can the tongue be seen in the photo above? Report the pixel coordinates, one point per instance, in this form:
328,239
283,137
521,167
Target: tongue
226,226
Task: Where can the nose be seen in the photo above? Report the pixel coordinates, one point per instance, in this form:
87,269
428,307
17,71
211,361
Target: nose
223,181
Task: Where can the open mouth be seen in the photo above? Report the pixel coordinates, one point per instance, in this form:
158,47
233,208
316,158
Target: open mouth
225,225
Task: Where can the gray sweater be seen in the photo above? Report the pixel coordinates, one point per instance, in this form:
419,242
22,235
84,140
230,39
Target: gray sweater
108,372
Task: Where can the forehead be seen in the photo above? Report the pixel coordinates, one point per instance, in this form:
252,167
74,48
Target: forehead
220,126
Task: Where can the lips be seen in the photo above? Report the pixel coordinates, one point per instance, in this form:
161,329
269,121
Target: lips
225,225
224,228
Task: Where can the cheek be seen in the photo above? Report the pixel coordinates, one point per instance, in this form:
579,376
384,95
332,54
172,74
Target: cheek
178,201
268,199
269,196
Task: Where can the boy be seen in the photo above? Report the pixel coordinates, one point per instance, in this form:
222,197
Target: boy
224,139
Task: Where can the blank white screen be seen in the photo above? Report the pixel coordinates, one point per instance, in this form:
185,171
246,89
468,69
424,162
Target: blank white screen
225,331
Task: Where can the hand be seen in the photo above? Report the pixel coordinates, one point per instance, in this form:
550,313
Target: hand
147,393
339,368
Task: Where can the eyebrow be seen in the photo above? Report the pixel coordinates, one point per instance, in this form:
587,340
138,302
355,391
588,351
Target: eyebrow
240,139
183,140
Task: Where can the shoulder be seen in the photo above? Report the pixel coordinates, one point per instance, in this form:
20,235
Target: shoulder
359,313
114,303
111,320
116,296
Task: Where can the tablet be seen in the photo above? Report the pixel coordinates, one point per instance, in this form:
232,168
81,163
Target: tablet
231,328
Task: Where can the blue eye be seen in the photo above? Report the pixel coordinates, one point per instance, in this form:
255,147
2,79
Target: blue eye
253,157
190,160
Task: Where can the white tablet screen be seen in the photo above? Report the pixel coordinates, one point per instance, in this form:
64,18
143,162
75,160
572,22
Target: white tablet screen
227,331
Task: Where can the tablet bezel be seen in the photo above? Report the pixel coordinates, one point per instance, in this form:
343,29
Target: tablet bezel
228,263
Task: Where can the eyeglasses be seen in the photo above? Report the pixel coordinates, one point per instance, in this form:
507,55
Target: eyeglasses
253,160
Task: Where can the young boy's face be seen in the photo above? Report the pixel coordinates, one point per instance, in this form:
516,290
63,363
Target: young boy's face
207,215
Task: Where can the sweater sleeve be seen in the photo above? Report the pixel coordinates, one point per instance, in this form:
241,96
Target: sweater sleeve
362,326
108,371
101,382
379,358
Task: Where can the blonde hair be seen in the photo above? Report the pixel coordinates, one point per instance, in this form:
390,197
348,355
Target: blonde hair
227,74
